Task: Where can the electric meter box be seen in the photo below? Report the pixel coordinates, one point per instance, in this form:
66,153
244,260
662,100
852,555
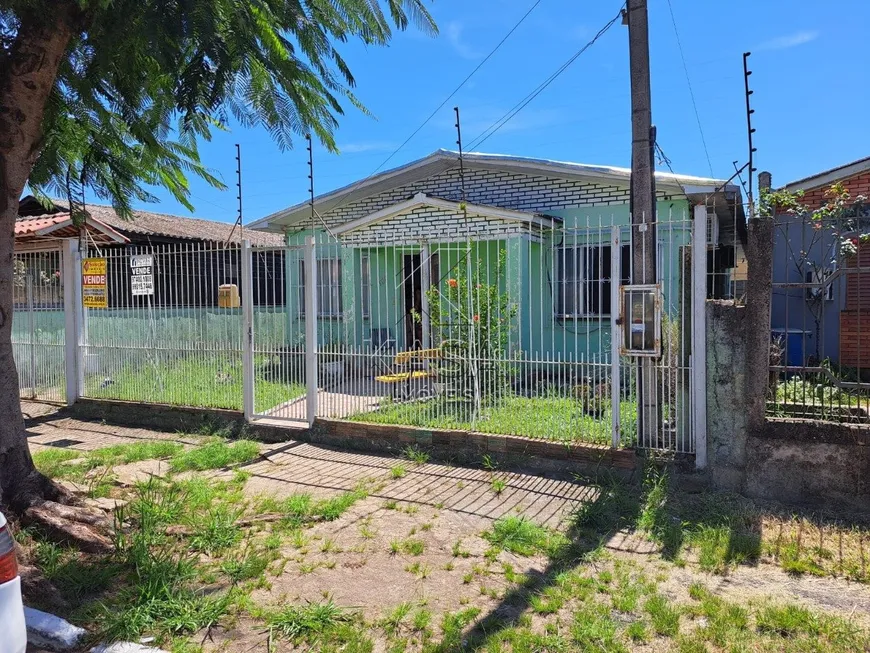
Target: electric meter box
641,320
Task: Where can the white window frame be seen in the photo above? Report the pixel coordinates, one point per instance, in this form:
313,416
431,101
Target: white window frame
325,284
561,286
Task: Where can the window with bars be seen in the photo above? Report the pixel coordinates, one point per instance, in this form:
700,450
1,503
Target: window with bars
582,285
328,287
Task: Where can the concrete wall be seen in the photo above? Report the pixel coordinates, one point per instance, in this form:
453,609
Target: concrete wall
793,461
726,394
809,461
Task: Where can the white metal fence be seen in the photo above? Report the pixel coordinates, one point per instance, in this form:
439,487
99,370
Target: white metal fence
820,322
38,333
510,335
517,332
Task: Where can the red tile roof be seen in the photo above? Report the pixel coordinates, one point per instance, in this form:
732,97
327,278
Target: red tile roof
32,225
60,225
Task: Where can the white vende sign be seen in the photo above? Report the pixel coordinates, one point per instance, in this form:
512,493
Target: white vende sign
142,275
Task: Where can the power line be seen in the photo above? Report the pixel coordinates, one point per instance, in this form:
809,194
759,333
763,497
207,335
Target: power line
498,124
441,106
689,84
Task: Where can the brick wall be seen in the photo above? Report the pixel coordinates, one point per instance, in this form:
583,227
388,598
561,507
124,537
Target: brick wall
858,284
508,190
857,185
855,317
427,223
855,338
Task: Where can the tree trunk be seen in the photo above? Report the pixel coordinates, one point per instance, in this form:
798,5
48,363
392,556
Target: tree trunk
27,75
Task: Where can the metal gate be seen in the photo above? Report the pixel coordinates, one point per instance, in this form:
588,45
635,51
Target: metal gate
514,334
38,324
274,313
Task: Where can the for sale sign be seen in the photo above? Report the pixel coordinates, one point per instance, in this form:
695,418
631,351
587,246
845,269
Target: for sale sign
94,293
142,275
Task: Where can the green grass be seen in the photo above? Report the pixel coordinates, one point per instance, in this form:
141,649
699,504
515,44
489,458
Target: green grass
321,626
161,596
522,536
397,471
416,455
410,546
665,618
333,508
393,621
217,530
497,485
249,565
594,630
549,418
51,462
74,576
214,382
418,569
215,455
300,508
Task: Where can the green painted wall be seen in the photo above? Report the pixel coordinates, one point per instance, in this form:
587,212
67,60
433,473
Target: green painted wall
527,275
545,336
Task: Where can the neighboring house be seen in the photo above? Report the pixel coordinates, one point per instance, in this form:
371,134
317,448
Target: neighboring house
195,256
830,320
539,233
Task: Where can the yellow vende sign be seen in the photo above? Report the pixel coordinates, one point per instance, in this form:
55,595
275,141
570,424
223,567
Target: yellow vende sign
94,293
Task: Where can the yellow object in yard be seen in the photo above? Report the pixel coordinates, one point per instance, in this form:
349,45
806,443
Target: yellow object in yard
228,296
405,357
400,377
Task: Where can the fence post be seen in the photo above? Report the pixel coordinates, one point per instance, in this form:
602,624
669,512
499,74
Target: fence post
425,282
72,311
310,291
615,333
31,331
699,335
759,294
247,330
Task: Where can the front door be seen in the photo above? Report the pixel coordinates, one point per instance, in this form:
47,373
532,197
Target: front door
412,282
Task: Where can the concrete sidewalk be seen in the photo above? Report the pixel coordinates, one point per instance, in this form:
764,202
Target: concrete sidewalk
290,467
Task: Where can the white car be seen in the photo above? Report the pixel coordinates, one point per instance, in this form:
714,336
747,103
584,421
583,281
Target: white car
14,638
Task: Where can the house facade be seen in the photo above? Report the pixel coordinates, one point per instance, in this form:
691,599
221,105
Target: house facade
821,296
523,245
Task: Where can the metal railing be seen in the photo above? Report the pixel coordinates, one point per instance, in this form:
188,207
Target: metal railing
512,328
38,324
507,334
174,337
820,319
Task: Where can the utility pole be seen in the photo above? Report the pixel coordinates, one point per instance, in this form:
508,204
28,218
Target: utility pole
643,216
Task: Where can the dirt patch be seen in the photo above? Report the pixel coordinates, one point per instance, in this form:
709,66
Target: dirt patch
362,560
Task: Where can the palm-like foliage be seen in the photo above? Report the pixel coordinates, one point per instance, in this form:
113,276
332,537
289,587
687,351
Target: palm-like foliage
143,80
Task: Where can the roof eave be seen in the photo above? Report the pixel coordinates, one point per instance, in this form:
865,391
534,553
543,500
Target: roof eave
829,176
440,160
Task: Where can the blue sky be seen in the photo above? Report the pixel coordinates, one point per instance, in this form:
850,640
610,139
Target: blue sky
810,77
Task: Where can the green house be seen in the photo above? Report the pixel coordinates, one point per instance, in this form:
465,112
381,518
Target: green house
536,233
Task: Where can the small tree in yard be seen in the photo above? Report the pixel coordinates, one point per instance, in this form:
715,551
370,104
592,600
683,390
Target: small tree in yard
839,226
473,319
114,95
